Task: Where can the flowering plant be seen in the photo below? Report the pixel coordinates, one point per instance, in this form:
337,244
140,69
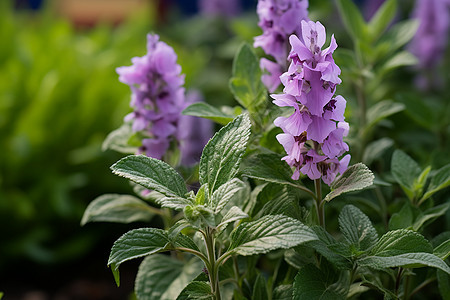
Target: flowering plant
250,198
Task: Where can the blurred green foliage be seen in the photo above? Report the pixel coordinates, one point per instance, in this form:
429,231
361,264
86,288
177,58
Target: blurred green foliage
59,98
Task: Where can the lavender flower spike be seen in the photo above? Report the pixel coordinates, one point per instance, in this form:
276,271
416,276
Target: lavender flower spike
313,134
278,19
157,97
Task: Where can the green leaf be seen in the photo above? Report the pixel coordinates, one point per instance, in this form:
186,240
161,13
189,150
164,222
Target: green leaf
278,200
260,288
225,193
196,290
352,19
439,181
136,243
204,110
222,155
117,208
234,214
183,241
356,177
245,83
375,150
357,228
152,174
401,241
382,110
300,256
430,214
443,250
282,292
326,247
400,34
269,233
270,168
383,17
400,59
405,171
444,284
177,203
161,277
312,283
402,219
407,260
117,140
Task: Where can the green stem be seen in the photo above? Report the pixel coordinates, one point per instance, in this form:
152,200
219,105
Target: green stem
421,286
319,204
397,280
213,270
195,252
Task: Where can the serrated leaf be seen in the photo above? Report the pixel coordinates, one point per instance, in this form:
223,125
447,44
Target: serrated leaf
430,214
356,177
117,140
375,150
183,241
401,241
400,59
222,155
443,250
207,111
439,181
282,292
382,18
136,243
234,214
357,228
152,174
268,167
245,83
407,260
117,208
405,171
312,283
278,200
196,290
269,233
352,19
225,193
161,277
299,256
325,247
382,110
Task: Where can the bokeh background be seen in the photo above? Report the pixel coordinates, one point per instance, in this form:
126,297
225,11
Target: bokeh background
60,97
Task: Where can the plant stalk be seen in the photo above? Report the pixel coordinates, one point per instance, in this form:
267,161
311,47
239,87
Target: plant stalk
319,205
213,270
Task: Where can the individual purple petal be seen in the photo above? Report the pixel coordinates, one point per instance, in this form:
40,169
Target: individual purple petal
319,129
271,78
334,145
334,110
155,148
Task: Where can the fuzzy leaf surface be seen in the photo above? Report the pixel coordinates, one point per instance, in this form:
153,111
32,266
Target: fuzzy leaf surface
152,174
196,290
439,181
407,260
357,228
401,241
136,243
222,155
405,171
225,193
117,208
269,233
356,177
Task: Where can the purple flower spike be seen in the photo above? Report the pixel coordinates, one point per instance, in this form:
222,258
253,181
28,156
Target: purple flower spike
278,19
313,134
158,97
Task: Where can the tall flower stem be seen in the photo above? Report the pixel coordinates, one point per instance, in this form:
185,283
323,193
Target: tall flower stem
213,269
319,203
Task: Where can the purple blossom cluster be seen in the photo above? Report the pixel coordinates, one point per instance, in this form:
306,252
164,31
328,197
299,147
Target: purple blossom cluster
278,19
313,134
157,97
432,35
